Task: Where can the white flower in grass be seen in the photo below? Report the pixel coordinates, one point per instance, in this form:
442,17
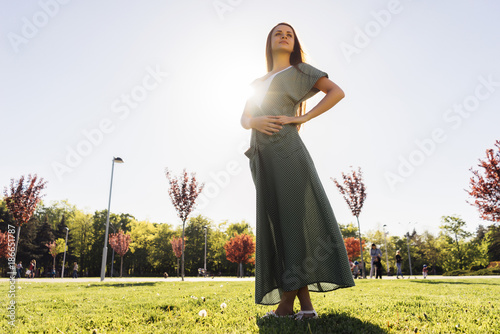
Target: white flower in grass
203,298
19,288
221,285
202,313
157,294
194,297
223,305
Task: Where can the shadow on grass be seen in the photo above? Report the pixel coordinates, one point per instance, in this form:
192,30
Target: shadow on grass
326,323
121,285
451,282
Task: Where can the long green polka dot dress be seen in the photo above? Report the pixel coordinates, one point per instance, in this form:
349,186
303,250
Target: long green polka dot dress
298,239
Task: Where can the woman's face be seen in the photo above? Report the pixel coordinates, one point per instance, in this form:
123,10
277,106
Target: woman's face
283,39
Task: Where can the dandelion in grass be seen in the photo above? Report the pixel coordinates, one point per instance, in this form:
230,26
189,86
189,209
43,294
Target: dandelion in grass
223,305
202,313
203,299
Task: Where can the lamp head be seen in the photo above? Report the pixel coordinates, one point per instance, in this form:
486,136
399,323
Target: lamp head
118,160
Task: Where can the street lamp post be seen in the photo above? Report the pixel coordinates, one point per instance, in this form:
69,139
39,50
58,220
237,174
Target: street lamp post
386,255
64,257
205,263
409,256
112,256
105,249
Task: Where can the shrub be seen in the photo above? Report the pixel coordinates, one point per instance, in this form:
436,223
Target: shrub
488,271
457,273
477,267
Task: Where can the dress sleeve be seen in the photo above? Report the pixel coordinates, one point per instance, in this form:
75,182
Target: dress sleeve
308,78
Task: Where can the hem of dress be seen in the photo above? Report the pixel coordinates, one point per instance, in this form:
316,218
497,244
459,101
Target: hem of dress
329,290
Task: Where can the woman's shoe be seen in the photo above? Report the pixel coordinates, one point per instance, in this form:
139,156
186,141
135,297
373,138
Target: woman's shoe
272,314
301,315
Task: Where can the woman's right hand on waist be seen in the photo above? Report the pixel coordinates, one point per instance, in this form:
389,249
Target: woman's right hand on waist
266,124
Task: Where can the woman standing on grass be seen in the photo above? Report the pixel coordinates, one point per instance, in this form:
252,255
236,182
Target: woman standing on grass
398,264
299,244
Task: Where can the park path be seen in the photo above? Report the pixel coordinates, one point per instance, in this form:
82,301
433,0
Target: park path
200,279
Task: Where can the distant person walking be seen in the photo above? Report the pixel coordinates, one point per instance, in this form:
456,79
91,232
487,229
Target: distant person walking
32,269
75,270
374,252
378,267
398,264
424,271
19,268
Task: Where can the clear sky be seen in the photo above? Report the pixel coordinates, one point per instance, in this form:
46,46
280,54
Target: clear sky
163,84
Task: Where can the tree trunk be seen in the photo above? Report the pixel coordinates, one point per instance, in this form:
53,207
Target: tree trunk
177,267
121,266
363,272
17,242
54,265
241,269
182,260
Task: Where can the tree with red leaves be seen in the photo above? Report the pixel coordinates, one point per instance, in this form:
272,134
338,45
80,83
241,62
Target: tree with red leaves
183,193
4,244
177,248
240,249
352,247
485,188
56,247
354,193
120,242
22,198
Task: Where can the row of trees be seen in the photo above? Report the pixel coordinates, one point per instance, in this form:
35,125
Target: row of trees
152,253
150,244
452,249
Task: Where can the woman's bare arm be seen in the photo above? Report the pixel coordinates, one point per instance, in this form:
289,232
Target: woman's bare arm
333,95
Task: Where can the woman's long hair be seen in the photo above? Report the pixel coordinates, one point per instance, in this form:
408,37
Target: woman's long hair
296,57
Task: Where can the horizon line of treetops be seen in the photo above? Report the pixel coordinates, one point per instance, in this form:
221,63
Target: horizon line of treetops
152,252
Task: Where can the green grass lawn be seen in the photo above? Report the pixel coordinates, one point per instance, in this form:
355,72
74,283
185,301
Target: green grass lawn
372,306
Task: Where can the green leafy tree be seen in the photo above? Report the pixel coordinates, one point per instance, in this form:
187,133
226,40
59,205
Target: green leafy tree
44,235
195,243
142,235
161,255
239,228
349,230
82,238
453,228
492,242
217,254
